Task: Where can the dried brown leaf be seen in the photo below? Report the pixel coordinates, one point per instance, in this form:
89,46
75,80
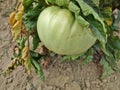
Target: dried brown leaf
16,29
12,18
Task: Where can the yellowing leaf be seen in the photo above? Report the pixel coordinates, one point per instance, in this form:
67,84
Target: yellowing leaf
12,18
108,21
107,11
18,16
21,0
26,58
28,65
21,9
13,65
16,30
25,53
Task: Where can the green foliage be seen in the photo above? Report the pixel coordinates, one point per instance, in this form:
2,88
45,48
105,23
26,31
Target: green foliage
107,68
70,57
88,56
76,10
95,14
96,2
36,40
38,69
98,16
30,19
27,3
36,55
59,2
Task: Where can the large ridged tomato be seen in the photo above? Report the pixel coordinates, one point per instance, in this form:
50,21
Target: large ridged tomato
61,33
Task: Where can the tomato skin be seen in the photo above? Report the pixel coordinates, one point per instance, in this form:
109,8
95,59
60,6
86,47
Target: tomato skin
61,33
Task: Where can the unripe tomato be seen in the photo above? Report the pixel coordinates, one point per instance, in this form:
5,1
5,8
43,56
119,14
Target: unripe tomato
61,33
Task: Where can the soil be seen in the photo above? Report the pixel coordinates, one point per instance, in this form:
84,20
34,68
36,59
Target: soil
62,75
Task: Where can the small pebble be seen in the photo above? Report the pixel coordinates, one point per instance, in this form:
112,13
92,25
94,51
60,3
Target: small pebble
87,82
97,85
115,78
57,88
66,85
101,84
50,87
104,81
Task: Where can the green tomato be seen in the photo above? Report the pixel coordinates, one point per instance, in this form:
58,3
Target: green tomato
61,33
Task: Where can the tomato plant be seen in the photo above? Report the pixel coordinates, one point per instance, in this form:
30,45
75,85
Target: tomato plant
73,28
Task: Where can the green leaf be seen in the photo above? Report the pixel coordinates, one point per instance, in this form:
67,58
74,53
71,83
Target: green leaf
21,42
28,64
59,2
88,56
30,24
88,10
112,61
35,55
114,42
107,70
117,55
70,57
107,11
31,16
96,2
36,41
76,10
96,23
99,33
82,21
27,3
38,69
107,15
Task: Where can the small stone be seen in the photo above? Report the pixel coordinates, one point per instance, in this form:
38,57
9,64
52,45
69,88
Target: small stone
97,85
101,84
115,78
39,88
66,85
24,88
53,88
73,86
88,74
104,81
93,82
109,80
48,88
30,86
10,80
98,81
87,83
87,89
105,89
57,88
